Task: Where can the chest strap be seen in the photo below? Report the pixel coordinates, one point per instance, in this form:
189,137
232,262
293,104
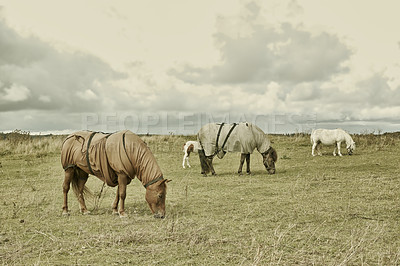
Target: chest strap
87,152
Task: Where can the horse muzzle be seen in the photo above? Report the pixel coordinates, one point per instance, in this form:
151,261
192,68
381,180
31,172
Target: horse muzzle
159,215
270,170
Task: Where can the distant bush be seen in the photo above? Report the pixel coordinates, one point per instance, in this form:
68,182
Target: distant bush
22,142
376,141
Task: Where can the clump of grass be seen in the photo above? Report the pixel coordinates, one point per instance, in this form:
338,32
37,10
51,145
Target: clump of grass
22,142
377,141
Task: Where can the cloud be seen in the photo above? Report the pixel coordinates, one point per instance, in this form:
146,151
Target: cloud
15,93
294,8
36,76
86,95
44,98
267,65
254,52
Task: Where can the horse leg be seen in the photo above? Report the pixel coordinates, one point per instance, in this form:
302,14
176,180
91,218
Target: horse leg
122,183
338,147
319,145
187,160
115,203
334,150
183,162
82,178
188,151
248,164
210,164
242,158
69,174
205,167
313,148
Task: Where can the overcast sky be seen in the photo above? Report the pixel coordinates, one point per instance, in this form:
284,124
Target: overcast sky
170,66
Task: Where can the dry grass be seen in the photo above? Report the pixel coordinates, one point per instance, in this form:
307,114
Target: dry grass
316,210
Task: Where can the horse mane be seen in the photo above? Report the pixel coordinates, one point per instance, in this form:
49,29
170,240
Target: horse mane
274,154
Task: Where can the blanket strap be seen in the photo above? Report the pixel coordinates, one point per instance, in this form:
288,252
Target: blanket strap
87,152
70,166
153,181
227,136
218,134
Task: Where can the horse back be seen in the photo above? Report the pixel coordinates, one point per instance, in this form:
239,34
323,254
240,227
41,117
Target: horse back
328,136
244,138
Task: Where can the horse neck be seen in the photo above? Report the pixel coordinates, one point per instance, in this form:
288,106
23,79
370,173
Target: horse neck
147,168
262,143
348,139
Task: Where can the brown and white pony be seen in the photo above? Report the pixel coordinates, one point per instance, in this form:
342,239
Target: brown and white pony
189,147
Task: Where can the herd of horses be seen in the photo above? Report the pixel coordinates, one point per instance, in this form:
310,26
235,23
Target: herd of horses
119,157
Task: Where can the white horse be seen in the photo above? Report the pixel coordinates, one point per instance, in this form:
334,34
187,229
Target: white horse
329,137
190,146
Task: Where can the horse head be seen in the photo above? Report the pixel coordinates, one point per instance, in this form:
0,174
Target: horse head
155,197
269,159
351,147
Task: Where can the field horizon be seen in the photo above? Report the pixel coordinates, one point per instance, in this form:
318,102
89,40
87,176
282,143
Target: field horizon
321,210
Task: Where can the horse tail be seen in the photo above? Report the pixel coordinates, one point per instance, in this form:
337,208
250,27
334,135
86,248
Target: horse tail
311,136
78,174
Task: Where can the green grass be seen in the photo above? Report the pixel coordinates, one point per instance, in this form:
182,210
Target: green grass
316,210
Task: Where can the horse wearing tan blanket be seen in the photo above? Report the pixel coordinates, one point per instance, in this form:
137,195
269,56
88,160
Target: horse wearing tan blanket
115,159
218,139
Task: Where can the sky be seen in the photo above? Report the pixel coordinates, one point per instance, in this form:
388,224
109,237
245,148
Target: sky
171,66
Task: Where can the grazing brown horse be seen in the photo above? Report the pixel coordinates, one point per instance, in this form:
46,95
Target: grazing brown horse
218,139
115,159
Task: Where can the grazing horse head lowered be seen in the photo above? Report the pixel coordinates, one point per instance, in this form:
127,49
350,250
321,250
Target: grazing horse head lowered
115,159
269,159
218,139
351,147
155,197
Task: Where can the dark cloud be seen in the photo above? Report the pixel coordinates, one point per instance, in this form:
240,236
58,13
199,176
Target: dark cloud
35,76
285,54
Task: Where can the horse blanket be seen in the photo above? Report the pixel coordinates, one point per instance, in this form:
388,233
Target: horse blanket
242,137
107,155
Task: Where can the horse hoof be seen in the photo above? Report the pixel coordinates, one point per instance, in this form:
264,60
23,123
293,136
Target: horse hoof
248,173
85,212
240,173
115,212
122,216
65,214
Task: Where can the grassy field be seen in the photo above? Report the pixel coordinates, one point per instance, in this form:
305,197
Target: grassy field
316,210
